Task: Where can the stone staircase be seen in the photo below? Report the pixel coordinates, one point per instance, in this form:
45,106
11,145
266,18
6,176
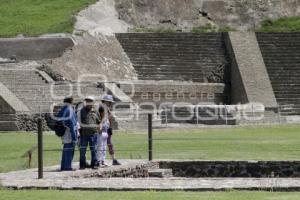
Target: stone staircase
281,52
176,67
40,96
176,56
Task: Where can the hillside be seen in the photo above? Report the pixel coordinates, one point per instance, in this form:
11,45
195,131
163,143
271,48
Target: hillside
37,17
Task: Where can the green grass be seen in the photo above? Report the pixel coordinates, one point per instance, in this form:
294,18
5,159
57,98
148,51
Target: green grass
256,143
209,28
36,17
73,195
288,24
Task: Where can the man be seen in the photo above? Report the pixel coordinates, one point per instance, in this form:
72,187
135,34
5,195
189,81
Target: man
89,122
106,106
68,117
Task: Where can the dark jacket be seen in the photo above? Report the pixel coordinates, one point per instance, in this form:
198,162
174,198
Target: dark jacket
89,121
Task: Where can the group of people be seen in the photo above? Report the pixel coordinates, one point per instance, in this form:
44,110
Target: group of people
87,125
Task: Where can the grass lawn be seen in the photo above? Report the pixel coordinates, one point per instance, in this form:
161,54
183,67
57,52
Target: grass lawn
256,143
287,24
36,17
73,195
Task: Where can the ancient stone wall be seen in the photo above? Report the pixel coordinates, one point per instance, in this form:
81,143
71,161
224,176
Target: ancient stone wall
262,169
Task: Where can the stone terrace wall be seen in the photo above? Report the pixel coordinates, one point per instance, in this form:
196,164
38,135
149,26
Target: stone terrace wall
263,169
34,48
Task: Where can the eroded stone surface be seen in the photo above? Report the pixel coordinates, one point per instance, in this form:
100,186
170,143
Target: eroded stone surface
184,15
95,58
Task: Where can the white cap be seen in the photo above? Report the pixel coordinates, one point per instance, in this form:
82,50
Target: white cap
91,98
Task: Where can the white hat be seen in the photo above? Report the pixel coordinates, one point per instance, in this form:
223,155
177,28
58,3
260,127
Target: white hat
108,98
91,98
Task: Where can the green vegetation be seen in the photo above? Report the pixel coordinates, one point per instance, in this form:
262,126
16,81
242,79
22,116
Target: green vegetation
255,143
36,17
287,24
204,29
142,29
209,28
74,195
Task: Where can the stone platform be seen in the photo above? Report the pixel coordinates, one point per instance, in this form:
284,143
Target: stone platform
99,180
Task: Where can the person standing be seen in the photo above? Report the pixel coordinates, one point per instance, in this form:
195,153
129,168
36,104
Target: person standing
102,136
68,118
89,122
105,109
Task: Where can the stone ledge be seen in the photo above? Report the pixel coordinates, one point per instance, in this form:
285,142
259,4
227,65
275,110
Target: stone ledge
34,48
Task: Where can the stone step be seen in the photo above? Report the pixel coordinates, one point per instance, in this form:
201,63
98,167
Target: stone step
287,91
187,67
280,64
170,41
276,70
8,117
160,173
170,77
177,36
169,36
208,60
291,81
8,126
279,43
161,36
291,58
278,50
166,71
174,51
203,49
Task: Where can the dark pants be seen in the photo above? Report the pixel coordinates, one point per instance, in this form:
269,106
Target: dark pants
67,157
84,142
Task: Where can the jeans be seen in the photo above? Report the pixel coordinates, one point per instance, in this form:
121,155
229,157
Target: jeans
67,157
86,140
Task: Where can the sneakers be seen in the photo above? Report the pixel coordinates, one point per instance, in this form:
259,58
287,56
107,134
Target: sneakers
116,162
103,165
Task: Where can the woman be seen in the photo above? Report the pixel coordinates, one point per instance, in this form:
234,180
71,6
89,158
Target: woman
102,136
106,106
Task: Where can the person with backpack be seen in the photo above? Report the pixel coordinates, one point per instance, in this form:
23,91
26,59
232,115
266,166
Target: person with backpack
66,126
89,122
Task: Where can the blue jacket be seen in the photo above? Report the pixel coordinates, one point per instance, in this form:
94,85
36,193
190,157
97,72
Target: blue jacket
68,116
